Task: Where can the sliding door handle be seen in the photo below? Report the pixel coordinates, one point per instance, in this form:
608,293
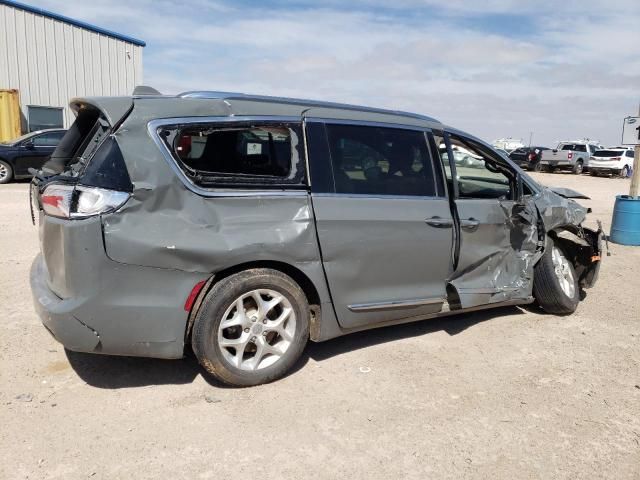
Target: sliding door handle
439,222
469,224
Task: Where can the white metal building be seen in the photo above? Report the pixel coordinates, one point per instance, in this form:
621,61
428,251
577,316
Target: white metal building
50,59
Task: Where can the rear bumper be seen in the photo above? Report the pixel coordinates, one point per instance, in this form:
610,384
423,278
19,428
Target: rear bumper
525,163
56,314
605,168
90,303
557,163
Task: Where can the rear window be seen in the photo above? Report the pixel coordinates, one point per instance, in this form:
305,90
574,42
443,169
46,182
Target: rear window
79,143
574,147
608,153
241,155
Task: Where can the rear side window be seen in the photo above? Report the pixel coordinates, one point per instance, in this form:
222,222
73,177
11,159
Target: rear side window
239,155
380,161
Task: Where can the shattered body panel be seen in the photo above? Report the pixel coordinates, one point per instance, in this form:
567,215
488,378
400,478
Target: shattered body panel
497,257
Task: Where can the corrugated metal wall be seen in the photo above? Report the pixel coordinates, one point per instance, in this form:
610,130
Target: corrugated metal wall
50,61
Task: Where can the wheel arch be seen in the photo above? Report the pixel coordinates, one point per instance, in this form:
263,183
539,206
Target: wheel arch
578,249
301,278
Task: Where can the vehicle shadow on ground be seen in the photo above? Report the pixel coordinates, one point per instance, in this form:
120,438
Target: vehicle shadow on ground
112,372
451,325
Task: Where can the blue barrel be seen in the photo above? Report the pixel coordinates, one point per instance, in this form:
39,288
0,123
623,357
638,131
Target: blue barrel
625,228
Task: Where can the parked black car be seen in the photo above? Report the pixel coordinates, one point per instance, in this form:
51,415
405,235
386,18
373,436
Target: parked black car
28,151
528,157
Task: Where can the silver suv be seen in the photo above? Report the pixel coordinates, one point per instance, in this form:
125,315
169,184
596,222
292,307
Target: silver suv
246,225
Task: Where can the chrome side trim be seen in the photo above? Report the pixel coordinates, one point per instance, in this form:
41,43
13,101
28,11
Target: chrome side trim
441,314
394,304
152,130
379,196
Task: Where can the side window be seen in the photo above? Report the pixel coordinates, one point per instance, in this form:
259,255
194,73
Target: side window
55,138
629,153
41,140
479,175
239,155
380,161
48,139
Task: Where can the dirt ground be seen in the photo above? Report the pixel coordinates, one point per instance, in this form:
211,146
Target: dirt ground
508,393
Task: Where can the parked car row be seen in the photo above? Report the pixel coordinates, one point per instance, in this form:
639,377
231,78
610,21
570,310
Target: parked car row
576,156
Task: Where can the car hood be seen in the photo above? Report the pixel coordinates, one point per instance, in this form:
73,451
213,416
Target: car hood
568,193
558,209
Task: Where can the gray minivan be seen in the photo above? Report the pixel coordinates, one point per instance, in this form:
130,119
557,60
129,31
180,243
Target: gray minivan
245,225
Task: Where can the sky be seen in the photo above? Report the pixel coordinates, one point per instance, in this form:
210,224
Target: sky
495,68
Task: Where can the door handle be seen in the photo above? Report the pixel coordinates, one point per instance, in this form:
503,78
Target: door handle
439,222
469,224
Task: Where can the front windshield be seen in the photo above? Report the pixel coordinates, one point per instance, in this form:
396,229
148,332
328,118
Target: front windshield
19,139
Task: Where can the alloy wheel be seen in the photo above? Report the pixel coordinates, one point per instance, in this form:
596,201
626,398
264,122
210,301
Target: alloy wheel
564,272
257,329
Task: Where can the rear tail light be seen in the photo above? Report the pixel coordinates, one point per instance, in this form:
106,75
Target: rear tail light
532,157
569,155
76,201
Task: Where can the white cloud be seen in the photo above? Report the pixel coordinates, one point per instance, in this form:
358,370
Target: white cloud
575,71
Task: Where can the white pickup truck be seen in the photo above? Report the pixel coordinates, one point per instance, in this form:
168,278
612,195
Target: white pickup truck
570,155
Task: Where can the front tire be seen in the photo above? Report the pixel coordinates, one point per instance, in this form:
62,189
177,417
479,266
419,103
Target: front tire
252,327
6,172
555,285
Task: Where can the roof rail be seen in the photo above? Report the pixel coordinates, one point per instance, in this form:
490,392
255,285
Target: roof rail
298,101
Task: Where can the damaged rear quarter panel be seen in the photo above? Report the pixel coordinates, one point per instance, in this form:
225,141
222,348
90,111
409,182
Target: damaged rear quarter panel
166,225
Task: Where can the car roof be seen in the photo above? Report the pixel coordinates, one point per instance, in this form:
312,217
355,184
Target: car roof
197,103
266,99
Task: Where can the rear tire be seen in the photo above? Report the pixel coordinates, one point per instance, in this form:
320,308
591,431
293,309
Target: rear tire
267,318
578,168
6,172
624,173
555,285
537,167
593,173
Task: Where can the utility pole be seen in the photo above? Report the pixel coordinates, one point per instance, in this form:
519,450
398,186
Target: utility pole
530,138
635,178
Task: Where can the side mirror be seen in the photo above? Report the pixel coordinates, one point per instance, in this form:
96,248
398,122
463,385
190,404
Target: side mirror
28,144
